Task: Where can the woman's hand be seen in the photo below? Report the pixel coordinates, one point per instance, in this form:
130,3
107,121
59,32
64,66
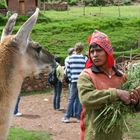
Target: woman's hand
124,96
134,96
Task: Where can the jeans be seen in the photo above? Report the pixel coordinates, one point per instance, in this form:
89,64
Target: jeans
73,97
74,105
16,107
57,95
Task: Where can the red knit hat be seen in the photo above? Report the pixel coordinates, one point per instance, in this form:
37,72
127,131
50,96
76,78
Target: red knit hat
103,41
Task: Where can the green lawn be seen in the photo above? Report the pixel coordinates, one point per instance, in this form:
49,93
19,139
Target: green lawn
22,134
59,30
134,126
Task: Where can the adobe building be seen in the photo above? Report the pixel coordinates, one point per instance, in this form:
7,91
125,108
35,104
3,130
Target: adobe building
22,7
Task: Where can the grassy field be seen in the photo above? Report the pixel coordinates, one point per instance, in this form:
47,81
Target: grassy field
65,28
21,134
60,30
134,126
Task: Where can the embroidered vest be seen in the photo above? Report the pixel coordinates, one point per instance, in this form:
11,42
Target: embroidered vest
102,81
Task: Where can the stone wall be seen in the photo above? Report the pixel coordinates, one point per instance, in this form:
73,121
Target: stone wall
39,82
3,11
54,6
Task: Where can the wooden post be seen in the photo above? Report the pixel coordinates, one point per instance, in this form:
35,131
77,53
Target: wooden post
139,43
100,10
83,3
39,4
44,7
131,54
68,8
119,10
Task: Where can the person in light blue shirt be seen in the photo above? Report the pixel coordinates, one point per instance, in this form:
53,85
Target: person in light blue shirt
76,64
71,51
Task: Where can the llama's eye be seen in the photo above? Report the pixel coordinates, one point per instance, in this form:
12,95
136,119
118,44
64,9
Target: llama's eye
38,49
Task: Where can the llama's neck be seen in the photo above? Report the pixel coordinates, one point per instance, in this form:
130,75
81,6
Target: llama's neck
10,77
8,98
10,85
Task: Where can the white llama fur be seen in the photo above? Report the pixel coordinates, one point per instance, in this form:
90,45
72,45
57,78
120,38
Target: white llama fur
19,57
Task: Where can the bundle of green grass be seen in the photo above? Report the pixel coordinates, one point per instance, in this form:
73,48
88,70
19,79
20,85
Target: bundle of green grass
115,114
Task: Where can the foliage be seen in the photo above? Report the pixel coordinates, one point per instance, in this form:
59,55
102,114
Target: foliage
133,75
72,2
2,20
112,116
100,2
134,125
127,2
3,4
21,134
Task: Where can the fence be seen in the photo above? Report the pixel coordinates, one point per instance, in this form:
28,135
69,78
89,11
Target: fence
109,11
123,61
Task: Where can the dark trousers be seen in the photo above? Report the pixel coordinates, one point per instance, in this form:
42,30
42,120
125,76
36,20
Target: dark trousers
16,107
57,95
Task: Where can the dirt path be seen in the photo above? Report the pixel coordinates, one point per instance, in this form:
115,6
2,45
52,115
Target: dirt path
38,114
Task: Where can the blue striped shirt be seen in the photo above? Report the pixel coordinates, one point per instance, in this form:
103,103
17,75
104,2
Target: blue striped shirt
76,64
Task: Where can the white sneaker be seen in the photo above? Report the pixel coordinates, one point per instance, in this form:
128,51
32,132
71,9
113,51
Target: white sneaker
65,120
78,121
60,109
18,114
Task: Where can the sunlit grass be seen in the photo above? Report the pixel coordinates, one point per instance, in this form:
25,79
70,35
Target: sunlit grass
59,30
134,127
22,134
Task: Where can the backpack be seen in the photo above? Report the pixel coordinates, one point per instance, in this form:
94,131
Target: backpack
66,78
52,78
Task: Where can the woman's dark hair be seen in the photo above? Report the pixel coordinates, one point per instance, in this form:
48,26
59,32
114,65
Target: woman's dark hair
57,59
93,45
117,72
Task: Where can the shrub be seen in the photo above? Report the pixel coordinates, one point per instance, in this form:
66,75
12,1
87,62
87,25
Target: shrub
3,4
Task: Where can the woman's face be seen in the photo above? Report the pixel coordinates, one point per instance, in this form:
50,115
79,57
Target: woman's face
99,56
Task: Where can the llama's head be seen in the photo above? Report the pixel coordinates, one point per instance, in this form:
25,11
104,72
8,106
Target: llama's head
20,53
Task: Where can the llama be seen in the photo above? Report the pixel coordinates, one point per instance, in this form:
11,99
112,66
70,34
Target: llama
19,57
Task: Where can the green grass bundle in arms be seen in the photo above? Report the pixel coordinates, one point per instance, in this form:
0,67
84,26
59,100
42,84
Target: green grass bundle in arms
133,75
115,114
112,115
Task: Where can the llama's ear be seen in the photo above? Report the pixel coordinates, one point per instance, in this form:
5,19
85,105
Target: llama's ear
23,34
9,26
